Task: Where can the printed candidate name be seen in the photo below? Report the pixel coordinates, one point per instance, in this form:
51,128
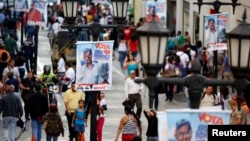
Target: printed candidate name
217,132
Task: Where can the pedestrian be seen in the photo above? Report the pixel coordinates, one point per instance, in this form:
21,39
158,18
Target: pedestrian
208,98
37,108
71,99
13,81
27,86
128,125
54,124
12,109
102,106
78,120
152,131
225,98
132,92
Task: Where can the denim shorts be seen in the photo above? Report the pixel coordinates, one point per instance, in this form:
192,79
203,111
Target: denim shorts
79,128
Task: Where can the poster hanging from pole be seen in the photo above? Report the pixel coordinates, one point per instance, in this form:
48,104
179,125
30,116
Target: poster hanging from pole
160,11
94,65
215,31
37,13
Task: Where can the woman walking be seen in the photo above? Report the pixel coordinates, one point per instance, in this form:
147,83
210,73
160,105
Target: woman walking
128,125
54,124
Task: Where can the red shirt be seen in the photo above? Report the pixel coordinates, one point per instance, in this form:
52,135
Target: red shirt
133,45
127,32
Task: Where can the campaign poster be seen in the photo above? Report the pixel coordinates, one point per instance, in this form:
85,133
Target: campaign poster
21,5
160,11
215,31
192,125
94,65
37,13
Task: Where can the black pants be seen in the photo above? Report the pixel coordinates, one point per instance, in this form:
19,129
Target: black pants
88,101
135,99
72,132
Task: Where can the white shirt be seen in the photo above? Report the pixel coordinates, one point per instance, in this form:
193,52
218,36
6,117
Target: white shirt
211,37
131,87
183,57
90,75
61,65
14,70
70,73
55,27
209,100
103,21
60,20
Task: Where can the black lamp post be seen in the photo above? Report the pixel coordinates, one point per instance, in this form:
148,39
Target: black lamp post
152,42
152,61
239,54
120,12
216,4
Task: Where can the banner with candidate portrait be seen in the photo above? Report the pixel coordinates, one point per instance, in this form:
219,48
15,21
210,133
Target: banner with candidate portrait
189,124
37,13
215,31
160,11
94,65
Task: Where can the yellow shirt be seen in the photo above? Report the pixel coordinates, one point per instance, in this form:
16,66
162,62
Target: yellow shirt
72,98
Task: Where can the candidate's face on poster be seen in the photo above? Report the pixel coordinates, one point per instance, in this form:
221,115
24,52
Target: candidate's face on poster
87,56
211,25
183,133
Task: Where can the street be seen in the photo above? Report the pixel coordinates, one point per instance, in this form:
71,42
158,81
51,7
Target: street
114,99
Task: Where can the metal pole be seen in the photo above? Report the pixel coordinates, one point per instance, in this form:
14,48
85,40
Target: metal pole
215,62
22,27
93,135
36,49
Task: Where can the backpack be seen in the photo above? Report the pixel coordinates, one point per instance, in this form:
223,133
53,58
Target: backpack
53,125
203,95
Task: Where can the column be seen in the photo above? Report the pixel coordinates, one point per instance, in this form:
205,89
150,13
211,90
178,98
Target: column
179,15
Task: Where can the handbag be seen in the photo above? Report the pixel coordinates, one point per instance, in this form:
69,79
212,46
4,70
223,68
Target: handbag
167,74
20,123
45,124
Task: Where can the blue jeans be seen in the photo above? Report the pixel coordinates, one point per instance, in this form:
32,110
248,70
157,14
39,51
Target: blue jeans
36,129
51,138
9,122
122,56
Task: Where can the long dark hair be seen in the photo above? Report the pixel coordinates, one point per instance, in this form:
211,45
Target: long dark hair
63,56
128,109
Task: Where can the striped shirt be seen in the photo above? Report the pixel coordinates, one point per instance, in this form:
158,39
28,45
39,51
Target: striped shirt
11,105
130,126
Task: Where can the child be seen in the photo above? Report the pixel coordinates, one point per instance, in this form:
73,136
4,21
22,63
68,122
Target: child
78,120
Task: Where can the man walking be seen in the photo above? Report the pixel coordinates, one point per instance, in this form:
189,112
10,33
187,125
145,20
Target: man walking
132,92
71,99
37,108
11,107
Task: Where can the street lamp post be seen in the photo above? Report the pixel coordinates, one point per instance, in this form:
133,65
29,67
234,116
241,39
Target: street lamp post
216,4
239,54
152,61
120,8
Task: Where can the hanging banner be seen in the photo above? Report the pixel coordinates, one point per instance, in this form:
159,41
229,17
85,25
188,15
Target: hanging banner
160,11
188,124
94,65
37,12
215,31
